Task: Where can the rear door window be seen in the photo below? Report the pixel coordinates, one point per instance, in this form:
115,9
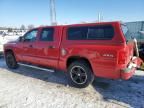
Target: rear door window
47,34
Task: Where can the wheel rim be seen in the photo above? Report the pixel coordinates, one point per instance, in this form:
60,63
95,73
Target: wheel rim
78,75
10,61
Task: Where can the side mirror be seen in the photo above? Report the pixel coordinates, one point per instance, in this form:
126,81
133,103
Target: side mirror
21,39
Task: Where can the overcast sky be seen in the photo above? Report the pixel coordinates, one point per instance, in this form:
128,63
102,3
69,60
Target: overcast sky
37,12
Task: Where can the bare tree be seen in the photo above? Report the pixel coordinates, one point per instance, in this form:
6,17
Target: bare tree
10,29
22,27
31,26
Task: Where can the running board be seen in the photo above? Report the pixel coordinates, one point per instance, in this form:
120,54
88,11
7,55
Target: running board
36,67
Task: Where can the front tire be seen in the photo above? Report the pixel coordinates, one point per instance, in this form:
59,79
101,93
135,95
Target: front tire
11,61
80,74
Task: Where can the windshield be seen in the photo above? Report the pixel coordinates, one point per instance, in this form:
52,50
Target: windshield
126,32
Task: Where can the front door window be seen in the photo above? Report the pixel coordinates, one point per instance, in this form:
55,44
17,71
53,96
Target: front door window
31,36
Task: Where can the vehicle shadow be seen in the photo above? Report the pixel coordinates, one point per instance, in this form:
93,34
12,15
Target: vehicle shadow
58,77
129,92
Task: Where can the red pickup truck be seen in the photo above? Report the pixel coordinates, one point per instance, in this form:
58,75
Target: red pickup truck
82,50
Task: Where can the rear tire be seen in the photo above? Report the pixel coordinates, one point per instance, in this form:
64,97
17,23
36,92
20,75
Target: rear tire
80,74
11,61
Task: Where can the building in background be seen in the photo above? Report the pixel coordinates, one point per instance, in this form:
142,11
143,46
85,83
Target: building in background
12,32
136,29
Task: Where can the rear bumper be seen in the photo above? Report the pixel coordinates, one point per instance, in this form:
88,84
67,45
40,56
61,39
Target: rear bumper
128,72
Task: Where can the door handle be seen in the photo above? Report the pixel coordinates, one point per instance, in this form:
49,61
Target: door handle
51,47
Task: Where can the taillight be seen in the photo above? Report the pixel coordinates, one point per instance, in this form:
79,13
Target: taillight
122,57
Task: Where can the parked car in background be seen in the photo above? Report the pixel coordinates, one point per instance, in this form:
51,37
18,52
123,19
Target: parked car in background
2,33
136,29
82,50
141,40
141,44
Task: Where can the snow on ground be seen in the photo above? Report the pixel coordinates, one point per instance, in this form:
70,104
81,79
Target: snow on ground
30,88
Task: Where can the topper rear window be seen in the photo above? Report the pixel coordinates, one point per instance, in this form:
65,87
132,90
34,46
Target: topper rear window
91,33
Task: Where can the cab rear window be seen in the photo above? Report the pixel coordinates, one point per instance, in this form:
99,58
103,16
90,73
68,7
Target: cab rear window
91,33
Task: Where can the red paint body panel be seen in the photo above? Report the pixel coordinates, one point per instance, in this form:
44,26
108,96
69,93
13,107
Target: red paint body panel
103,55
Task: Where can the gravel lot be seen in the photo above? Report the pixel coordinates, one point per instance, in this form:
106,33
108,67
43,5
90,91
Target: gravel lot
30,88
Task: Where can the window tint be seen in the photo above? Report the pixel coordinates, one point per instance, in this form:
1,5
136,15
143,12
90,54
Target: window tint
79,33
47,34
91,33
31,36
101,32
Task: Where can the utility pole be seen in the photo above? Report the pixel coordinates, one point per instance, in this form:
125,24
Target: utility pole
100,17
53,12
142,26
